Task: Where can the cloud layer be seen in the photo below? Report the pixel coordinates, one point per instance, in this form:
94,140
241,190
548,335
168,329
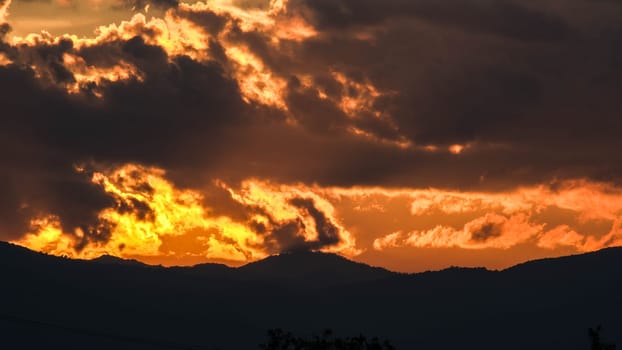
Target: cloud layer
470,96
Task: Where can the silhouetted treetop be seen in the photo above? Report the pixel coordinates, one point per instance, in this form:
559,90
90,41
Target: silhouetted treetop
281,340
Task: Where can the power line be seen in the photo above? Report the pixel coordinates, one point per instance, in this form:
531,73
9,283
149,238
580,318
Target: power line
163,344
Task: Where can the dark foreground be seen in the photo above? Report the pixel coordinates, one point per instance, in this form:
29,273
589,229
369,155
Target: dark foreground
56,303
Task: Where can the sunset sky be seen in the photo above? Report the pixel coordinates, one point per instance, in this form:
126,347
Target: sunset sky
408,134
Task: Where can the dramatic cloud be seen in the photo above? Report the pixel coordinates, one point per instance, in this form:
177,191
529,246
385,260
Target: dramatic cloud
258,120
148,213
527,215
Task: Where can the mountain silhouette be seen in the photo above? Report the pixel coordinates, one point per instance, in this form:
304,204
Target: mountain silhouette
111,303
311,269
113,260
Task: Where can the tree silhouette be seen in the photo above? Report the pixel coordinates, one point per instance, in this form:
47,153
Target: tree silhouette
281,340
596,342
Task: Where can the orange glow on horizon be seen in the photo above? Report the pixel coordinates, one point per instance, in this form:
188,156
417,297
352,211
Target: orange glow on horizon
155,221
151,211
168,212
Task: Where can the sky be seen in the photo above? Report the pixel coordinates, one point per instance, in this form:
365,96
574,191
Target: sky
409,134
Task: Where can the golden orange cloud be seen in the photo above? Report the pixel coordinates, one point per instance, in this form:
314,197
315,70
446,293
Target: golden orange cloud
179,36
256,82
85,74
169,212
514,218
151,211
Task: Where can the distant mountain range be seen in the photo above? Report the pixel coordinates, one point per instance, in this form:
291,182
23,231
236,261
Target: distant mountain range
110,303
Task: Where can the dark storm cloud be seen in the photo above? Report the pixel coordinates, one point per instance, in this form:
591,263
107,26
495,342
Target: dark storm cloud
512,79
280,236
327,232
49,60
497,17
48,132
531,89
314,113
486,231
5,28
289,236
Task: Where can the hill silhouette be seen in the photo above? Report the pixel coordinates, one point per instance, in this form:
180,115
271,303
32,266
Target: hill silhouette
110,303
319,270
113,260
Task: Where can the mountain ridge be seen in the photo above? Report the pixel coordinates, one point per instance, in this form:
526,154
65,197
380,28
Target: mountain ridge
543,304
283,261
